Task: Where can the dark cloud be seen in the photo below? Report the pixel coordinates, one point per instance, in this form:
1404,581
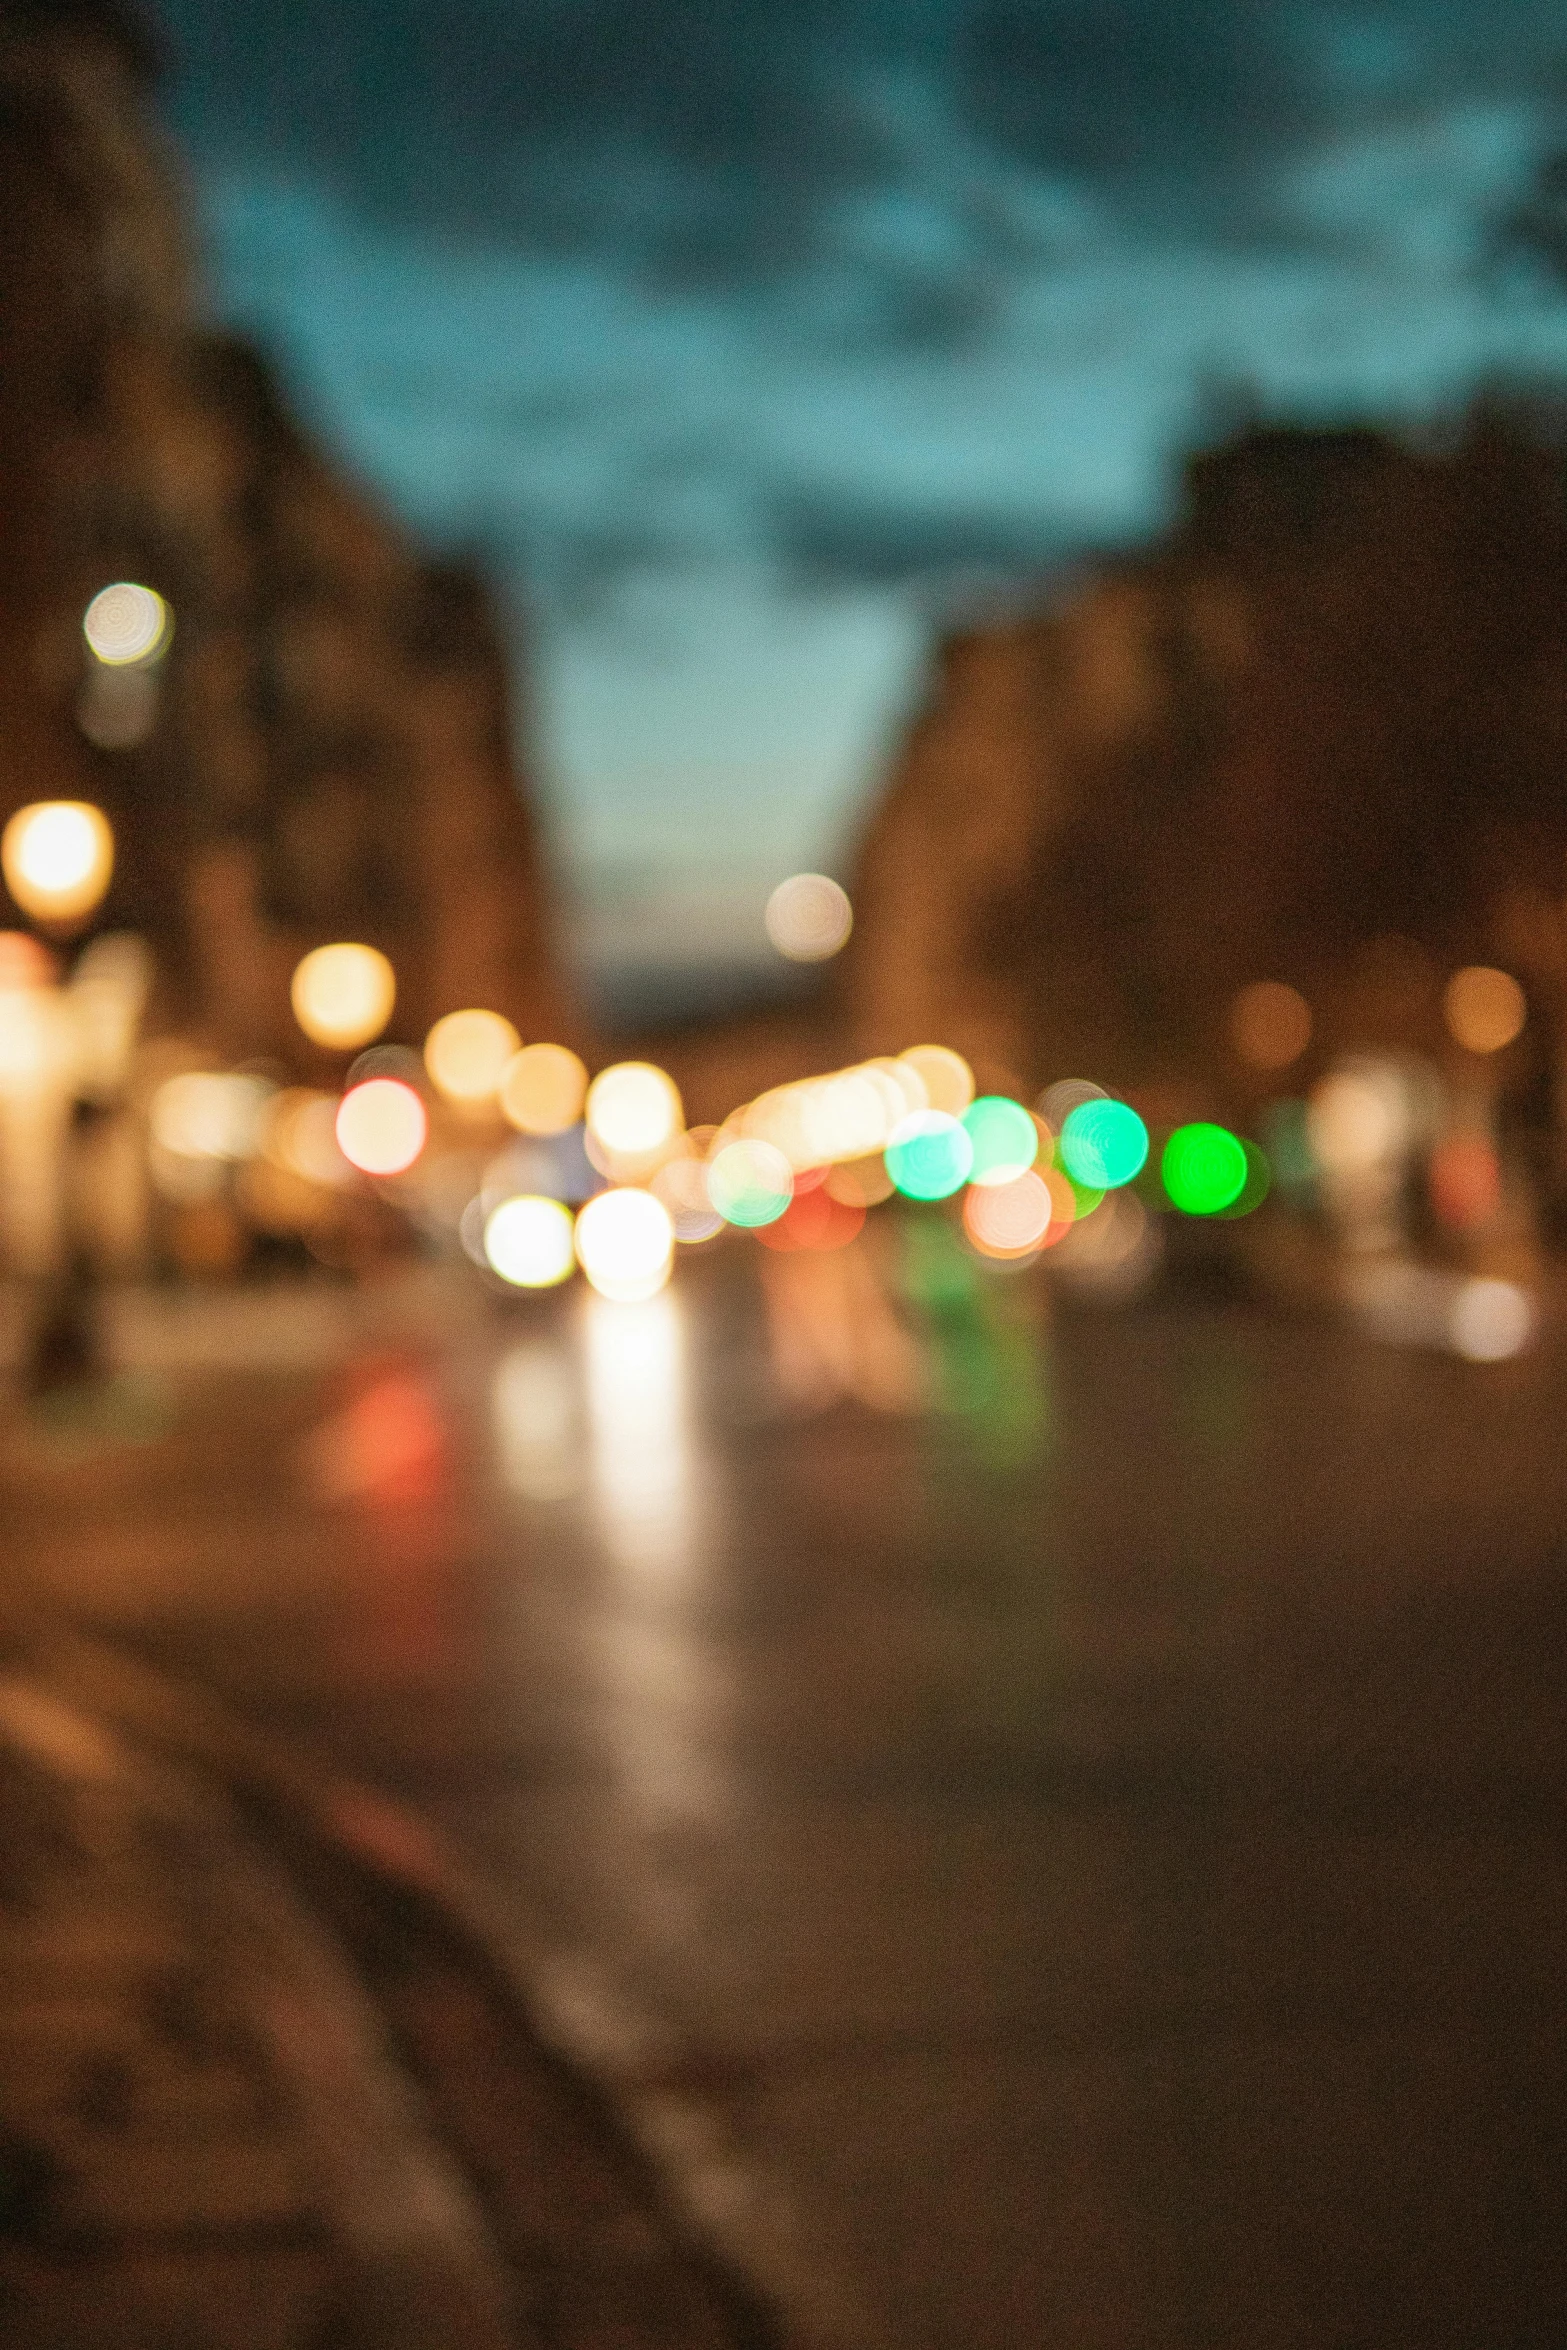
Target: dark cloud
1532,234
700,127
714,134
837,540
1192,105
1136,89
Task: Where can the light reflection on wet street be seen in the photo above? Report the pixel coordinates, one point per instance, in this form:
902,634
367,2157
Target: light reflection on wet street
1087,1831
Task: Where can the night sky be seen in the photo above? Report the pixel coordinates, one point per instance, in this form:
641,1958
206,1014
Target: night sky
746,340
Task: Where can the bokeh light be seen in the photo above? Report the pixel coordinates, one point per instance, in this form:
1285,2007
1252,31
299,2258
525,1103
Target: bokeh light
342,995
126,623
1104,1143
750,1183
1270,1024
1484,1009
1203,1168
625,1244
468,1054
1356,1119
529,1242
814,1220
930,1155
946,1076
1056,1104
1086,1197
681,1186
1464,1178
1004,1136
57,857
543,1089
633,1110
381,1126
1491,1320
1009,1219
809,917
1065,1203
846,1115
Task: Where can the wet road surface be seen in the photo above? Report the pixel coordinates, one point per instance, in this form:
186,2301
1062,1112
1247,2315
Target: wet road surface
1074,1822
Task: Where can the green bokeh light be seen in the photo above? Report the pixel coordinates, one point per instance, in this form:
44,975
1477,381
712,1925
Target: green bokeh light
1103,1144
1204,1168
1004,1136
930,1156
1085,1197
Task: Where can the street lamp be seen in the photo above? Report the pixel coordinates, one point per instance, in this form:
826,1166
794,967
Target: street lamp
343,995
57,857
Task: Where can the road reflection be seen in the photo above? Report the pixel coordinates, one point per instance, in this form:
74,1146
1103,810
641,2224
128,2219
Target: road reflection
640,1431
534,1406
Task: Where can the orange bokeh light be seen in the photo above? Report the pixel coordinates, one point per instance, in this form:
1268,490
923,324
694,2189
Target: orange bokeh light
1270,1024
1014,1219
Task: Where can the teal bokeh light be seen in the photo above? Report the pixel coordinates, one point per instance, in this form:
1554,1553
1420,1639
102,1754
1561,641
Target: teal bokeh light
1204,1168
930,1156
1103,1144
1004,1136
750,1184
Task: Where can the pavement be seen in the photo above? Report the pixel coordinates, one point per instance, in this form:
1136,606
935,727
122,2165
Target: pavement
264,2082
1058,1843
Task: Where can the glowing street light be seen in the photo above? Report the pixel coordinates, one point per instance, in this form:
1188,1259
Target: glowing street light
57,857
343,995
809,917
127,624
381,1126
468,1054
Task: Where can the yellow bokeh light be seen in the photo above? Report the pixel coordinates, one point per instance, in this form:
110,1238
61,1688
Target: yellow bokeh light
1484,1009
625,1244
381,1126
634,1110
343,995
127,623
543,1089
1357,1119
809,917
946,1076
528,1242
1270,1024
57,856
468,1054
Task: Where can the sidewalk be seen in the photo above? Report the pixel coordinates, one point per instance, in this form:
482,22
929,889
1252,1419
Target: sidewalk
220,2129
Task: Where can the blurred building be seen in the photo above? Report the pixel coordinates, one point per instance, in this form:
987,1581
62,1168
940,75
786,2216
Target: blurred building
1319,735
326,750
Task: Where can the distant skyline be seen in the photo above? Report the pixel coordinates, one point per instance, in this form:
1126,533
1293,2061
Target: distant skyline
744,341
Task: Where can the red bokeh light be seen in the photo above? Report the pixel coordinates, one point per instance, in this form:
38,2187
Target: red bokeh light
813,1219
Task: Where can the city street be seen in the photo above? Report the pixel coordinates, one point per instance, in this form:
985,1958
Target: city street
1066,1804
